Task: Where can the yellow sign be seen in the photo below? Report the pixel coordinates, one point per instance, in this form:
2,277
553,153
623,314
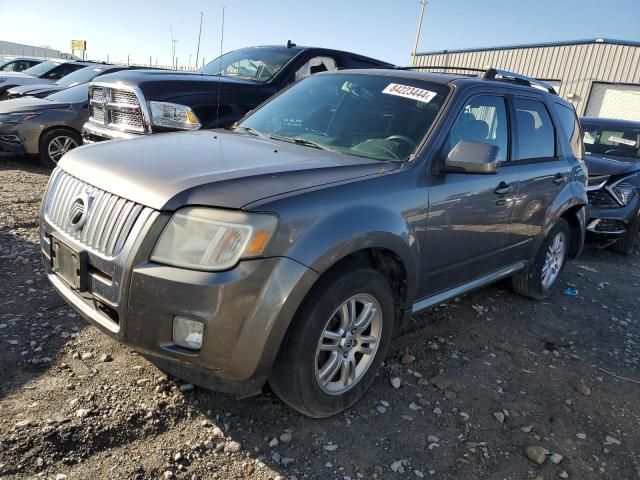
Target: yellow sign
78,45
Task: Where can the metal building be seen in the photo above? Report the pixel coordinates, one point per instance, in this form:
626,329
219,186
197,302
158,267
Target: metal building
18,49
601,77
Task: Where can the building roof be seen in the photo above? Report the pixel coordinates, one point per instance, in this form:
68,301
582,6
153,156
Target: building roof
538,45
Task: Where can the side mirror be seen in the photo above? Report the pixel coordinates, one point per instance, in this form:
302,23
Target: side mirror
472,157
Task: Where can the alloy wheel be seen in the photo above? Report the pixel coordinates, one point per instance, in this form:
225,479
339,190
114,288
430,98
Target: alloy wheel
348,344
554,259
58,146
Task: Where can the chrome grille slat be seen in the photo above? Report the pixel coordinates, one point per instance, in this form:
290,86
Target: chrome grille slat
111,218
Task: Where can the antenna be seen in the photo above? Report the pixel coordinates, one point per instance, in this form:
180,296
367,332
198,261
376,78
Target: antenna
220,70
199,35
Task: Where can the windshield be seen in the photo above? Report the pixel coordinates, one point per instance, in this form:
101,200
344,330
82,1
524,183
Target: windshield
41,68
373,116
260,63
71,95
83,75
617,141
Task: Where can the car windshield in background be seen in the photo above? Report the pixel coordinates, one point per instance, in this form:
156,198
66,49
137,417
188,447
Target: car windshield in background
41,68
71,95
83,75
250,63
378,117
612,140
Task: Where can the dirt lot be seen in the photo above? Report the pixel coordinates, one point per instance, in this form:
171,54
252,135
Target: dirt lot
482,378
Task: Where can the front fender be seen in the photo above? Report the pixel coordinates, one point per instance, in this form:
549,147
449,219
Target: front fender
340,234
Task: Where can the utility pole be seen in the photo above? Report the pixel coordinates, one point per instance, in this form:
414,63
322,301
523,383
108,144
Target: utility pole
199,35
423,3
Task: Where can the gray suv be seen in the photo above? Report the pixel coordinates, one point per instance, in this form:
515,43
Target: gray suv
289,249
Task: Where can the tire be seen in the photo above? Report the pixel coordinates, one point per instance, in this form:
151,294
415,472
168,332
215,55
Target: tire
624,246
55,143
530,281
296,375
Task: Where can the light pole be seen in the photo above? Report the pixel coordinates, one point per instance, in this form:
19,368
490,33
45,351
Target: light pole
423,3
199,35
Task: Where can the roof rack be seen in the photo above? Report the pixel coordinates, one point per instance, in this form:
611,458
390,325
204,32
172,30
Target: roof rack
491,73
506,76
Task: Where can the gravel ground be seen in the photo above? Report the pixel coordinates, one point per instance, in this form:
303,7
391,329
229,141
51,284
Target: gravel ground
489,386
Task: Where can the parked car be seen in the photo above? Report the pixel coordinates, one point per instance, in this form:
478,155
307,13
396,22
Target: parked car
84,75
613,159
220,94
44,127
45,72
290,248
17,64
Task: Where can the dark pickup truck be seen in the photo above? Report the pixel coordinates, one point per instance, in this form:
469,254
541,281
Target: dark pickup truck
129,104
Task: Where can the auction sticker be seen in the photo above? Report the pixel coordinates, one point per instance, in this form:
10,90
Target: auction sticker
623,141
407,91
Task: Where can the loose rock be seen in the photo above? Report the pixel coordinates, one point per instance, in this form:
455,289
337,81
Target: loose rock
395,382
536,454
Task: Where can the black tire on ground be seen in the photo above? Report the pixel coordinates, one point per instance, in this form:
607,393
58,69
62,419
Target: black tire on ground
293,376
59,137
528,282
625,245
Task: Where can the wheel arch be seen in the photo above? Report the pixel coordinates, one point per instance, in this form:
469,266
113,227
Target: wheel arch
50,128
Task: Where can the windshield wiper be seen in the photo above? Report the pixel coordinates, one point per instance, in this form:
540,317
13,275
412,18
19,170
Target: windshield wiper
249,130
302,141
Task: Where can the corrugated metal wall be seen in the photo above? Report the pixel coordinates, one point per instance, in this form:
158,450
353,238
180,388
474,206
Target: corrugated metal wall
577,66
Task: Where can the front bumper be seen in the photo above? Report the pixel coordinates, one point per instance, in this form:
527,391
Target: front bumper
92,133
245,311
612,223
11,143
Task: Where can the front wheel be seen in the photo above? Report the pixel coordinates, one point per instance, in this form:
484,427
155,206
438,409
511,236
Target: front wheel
539,278
336,343
55,143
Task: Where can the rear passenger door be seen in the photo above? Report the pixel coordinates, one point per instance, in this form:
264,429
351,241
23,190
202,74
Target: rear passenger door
542,168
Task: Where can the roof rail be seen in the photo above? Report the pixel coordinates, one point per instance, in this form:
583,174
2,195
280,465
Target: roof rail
491,73
506,76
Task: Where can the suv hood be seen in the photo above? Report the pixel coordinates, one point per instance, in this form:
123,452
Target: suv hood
163,85
29,104
602,165
213,168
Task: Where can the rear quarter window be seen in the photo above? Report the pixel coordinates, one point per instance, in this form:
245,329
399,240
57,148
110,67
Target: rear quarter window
570,128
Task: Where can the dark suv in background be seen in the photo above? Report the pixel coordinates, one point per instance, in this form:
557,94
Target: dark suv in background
131,104
291,248
613,160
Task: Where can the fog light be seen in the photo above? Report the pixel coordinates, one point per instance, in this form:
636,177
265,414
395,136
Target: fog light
187,333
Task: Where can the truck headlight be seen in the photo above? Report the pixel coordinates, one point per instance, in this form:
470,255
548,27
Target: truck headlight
173,115
209,239
623,192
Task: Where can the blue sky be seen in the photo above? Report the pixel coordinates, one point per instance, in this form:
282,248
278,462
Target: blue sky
378,28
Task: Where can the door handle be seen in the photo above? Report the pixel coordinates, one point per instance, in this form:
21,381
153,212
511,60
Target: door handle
559,178
504,188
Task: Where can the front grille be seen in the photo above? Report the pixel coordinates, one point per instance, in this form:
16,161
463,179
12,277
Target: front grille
605,225
130,119
116,107
601,199
110,218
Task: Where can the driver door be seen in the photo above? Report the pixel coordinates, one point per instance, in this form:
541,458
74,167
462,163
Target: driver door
469,219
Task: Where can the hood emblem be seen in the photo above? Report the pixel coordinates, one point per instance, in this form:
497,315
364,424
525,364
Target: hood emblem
79,210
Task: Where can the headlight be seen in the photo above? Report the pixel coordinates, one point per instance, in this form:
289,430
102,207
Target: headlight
173,115
17,117
210,239
623,192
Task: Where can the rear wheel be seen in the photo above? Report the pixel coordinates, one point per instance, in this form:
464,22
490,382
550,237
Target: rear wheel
55,143
625,245
539,278
336,343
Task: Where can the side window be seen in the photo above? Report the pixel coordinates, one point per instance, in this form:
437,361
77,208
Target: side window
316,65
536,136
571,128
8,67
483,119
